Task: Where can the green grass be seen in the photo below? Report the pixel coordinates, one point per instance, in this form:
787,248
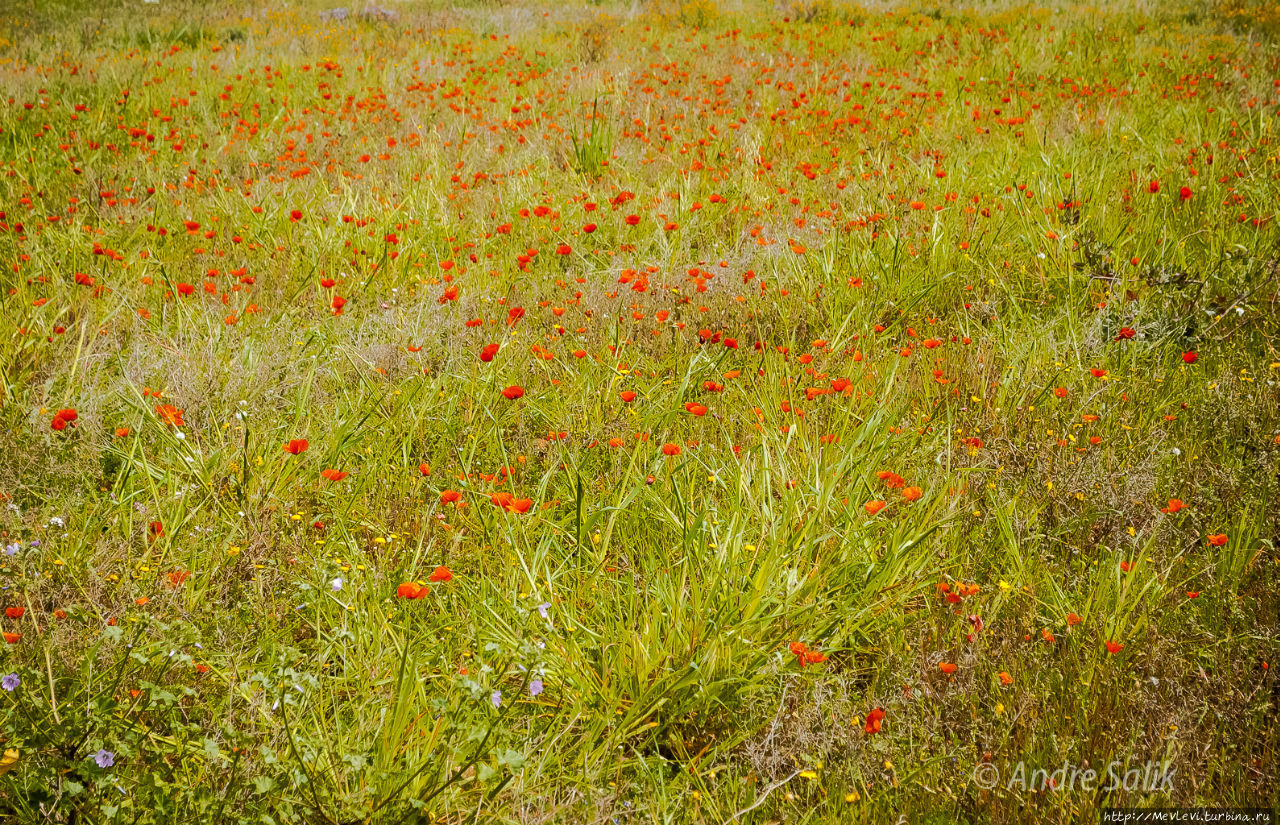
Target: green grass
853,256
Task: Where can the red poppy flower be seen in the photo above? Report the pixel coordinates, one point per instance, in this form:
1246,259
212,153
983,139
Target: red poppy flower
806,656
450,497
510,503
15,612
1189,357
440,574
411,590
891,479
670,449
296,446
1218,539
627,396
334,475
1185,193
486,354
873,507
874,719
170,414
513,392
947,667
424,469
1114,647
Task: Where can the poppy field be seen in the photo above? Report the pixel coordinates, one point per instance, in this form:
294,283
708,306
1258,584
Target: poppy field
663,411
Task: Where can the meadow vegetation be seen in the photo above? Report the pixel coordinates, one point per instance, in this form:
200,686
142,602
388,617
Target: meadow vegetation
633,412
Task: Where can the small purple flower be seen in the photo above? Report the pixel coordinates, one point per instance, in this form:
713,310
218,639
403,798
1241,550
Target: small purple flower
104,758
10,682
535,686
496,698
12,549
542,609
